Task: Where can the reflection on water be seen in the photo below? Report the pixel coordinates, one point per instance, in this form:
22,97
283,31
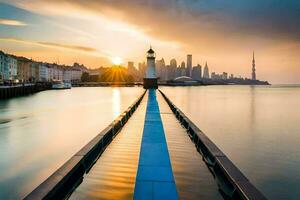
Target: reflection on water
116,102
113,175
256,126
193,179
38,133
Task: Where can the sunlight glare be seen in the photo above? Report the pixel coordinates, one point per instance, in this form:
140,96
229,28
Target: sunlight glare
116,60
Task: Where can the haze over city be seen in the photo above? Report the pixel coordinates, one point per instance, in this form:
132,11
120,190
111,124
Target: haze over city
98,33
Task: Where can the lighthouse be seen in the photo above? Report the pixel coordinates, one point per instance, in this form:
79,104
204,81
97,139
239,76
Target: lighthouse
150,80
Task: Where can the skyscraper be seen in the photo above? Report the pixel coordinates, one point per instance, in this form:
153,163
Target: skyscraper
182,69
253,68
172,69
189,65
158,67
196,72
206,72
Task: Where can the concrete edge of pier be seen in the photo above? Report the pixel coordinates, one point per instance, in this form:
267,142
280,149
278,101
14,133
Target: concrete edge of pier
63,181
7,92
231,181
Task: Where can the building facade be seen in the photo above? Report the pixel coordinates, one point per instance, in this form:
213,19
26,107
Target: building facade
197,72
189,65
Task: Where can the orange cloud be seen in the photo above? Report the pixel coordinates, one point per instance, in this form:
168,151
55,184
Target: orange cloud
10,22
51,44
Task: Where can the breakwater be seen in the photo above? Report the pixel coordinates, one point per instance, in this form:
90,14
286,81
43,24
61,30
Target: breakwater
233,184
63,181
22,90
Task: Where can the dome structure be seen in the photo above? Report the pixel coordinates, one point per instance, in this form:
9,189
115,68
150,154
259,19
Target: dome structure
184,79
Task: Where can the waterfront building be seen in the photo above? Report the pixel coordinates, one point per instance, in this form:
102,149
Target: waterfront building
130,65
24,69
150,80
206,72
164,72
182,69
172,69
213,76
142,69
132,69
2,66
76,75
253,68
11,69
178,71
43,72
196,72
67,74
34,71
225,76
189,65
161,70
55,72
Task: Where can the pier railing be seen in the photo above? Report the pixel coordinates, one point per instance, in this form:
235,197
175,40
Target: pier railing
63,182
232,183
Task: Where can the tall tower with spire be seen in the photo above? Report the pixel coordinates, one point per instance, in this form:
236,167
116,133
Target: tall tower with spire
253,68
206,71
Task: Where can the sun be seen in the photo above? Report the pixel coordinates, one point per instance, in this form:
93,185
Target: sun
116,60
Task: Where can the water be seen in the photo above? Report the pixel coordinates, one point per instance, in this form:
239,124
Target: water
257,127
113,175
38,133
193,179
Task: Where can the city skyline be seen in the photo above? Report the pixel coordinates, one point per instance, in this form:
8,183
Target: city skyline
16,69
99,33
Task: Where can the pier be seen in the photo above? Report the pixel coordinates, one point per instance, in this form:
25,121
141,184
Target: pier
22,90
134,157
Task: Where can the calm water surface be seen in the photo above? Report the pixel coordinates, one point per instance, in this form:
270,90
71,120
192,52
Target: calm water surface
257,127
113,175
38,133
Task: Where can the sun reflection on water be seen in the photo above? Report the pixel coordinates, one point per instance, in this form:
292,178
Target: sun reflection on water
116,102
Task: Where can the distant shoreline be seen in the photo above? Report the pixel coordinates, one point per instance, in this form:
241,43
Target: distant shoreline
172,84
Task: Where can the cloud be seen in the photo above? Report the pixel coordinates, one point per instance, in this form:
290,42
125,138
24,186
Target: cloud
222,32
10,22
52,45
73,47
186,18
213,24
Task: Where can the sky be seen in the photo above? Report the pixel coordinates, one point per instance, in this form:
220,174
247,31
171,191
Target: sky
96,32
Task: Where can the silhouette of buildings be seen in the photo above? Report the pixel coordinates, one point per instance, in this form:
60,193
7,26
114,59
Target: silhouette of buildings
206,72
172,69
189,65
253,68
182,69
197,72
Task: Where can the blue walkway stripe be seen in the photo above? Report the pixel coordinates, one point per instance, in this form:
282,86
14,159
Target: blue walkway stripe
154,178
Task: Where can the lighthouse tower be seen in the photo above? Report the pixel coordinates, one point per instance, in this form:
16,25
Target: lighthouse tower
150,80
